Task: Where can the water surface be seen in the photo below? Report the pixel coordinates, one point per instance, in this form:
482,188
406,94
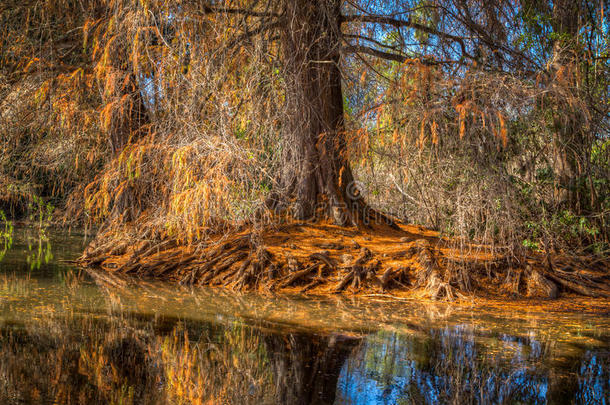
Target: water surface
68,336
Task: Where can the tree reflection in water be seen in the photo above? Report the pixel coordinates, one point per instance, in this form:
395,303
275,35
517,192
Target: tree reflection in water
306,368
452,365
136,361
85,360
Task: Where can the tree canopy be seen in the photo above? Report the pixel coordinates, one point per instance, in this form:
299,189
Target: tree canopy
485,119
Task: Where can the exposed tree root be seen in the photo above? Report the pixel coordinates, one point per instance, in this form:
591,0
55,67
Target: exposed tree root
405,261
430,276
539,284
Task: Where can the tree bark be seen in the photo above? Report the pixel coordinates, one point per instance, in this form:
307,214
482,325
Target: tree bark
316,174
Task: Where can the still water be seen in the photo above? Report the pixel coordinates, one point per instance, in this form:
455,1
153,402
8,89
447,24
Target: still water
69,336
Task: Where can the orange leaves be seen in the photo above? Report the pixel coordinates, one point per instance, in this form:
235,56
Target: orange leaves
77,75
200,186
109,51
503,135
97,197
115,113
395,136
106,117
434,130
87,28
31,65
468,109
462,109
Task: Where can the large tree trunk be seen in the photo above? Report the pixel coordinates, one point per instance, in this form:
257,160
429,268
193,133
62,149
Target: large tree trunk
316,175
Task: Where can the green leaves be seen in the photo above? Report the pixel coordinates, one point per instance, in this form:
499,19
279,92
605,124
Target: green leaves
425,14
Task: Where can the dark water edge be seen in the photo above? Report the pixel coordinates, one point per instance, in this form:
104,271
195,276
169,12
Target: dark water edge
69,337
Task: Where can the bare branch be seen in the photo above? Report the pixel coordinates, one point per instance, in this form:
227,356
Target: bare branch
392,56
378,19
374,41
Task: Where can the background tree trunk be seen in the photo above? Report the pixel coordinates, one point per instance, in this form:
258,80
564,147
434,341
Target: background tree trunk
568,120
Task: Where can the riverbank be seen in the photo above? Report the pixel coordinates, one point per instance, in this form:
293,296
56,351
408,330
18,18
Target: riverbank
67,337
410,262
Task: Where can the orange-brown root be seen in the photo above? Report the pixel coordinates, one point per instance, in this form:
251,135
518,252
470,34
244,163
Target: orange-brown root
326,259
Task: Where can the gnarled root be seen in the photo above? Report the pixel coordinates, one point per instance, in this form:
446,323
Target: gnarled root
248,261
320,264
429,277
539,285
590,286
358,271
